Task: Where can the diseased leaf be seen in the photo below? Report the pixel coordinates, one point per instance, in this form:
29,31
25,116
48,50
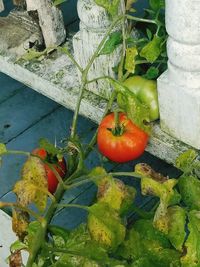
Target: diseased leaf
20,221
131,53
177,221
113,41
15,259
115,193
162,188
152,50
3,149
105,225
111,6
192,244
33,185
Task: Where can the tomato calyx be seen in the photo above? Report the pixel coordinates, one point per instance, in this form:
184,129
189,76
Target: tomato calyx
117,130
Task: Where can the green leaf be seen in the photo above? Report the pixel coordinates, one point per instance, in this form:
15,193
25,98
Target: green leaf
33,54
152,73
131,53
185,161
3,149
135,110
189,187
113,41
157,4
149,34
191,257
152,50
105,226
17,245
177,221
50,148
32,229
111,6
58,2
147,231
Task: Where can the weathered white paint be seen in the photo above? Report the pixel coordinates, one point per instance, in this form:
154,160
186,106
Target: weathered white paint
1,6
93,26
179,87
50,20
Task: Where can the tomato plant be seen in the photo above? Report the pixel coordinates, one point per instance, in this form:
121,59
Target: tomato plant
59,166
120,143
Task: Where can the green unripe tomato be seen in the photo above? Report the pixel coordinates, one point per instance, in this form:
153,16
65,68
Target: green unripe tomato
146,92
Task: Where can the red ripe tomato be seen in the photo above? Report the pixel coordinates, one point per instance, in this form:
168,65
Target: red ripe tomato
59,166
126,143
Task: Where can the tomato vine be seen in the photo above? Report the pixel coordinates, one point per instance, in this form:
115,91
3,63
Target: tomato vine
106,239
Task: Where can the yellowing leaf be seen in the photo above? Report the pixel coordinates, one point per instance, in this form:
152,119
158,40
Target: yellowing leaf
152,50
105,225
3,149
20,222
32,187
110,6
131,53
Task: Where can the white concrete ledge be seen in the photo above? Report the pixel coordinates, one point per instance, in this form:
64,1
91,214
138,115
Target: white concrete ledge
56,78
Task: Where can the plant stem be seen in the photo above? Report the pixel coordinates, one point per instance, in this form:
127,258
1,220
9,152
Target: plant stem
140,19
66,51
17,152
40,236
20,207
94,138
73,206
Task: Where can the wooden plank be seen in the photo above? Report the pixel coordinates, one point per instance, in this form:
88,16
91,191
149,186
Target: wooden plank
8,87
22,111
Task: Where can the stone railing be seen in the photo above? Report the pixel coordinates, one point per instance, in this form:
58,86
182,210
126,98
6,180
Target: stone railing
179,87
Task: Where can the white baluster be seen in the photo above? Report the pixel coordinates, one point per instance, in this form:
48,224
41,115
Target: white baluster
94,22
50,20
179,86
1,6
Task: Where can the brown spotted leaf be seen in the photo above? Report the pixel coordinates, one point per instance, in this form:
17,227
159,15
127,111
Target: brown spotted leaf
32,188
15,259
20,220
